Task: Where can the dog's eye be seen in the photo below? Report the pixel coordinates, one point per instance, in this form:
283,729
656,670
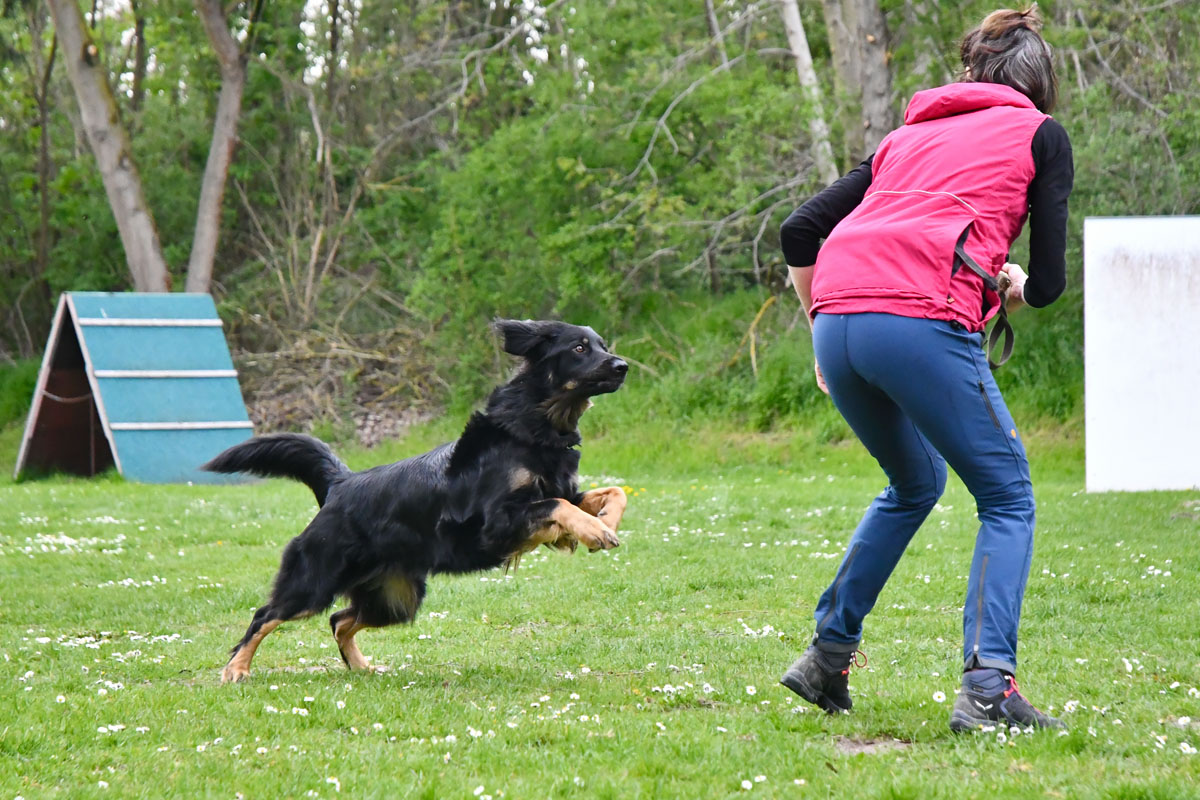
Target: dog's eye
580,348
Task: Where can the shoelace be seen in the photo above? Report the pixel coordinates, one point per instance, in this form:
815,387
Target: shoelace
1014,689
854,662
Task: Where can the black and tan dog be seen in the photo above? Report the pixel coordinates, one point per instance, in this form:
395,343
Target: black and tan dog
507,485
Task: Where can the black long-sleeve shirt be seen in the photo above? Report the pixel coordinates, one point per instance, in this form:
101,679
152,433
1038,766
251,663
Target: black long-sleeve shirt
1054,176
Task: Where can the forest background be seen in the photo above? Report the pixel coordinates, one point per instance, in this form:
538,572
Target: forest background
364,185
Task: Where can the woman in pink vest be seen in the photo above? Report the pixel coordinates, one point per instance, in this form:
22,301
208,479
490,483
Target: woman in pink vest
897,331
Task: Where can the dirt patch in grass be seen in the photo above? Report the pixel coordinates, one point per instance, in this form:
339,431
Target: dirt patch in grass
853,746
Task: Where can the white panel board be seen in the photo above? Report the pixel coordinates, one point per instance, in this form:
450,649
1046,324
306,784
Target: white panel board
1141,320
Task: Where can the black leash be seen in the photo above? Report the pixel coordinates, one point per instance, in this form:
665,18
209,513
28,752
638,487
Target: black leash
1002,328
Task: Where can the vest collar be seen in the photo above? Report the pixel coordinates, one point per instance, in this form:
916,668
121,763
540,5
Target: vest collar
961,98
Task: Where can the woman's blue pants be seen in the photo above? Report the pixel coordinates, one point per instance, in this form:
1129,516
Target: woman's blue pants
918,393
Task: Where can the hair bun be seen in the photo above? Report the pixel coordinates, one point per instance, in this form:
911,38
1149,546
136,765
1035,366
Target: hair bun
998,23
1008,48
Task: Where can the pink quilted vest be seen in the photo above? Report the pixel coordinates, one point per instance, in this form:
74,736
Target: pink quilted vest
961,160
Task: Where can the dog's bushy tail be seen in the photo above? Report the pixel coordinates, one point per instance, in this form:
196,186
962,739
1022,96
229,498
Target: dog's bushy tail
285,455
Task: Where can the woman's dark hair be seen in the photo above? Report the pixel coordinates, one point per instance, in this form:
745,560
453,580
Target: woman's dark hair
1008,48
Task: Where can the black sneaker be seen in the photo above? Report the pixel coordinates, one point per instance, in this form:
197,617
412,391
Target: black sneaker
989,698
820,677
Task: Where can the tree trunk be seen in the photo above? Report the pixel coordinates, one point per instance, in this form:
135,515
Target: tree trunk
140,58
43,70
846,80
858,39
878,119
110,144
819,131
220,152
331,67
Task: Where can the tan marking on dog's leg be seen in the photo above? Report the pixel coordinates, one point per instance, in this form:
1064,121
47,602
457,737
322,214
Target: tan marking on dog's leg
238,667
551,535
590,530
344,634
608,504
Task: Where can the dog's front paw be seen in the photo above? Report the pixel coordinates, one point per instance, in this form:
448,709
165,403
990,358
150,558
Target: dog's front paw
597,536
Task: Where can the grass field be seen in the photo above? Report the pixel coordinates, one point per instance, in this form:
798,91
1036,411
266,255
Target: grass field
648,672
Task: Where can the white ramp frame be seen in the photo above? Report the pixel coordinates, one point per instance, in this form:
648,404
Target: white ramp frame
1141,319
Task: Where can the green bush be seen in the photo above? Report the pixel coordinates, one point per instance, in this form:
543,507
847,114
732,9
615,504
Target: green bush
17,383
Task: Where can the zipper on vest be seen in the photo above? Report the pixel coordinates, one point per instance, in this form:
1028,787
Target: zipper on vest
988,403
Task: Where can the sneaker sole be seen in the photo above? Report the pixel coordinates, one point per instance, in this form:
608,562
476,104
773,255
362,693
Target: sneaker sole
796,682
961,722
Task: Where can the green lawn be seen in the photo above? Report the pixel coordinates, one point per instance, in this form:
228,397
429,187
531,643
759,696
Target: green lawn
646,672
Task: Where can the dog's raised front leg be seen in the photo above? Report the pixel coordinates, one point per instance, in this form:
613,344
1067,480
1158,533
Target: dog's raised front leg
589,530
564,526
607,504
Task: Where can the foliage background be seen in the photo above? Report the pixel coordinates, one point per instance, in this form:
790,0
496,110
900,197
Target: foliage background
604,162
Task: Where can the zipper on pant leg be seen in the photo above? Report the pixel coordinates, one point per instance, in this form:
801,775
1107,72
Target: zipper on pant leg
837,585
979,607
988,403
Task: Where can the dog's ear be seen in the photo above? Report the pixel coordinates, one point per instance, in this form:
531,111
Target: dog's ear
523,337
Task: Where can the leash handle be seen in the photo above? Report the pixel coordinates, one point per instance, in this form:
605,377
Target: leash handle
1001,328
1002,331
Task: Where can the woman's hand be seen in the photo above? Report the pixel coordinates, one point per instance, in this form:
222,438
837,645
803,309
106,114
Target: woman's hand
1016,289
820,378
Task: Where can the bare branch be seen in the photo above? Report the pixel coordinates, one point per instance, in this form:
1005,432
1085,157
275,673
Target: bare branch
660,125
1116,79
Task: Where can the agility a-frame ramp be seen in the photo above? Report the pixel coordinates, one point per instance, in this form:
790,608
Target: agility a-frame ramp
142,382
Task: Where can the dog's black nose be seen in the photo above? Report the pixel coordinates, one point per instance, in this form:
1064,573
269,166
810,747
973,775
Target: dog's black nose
619,366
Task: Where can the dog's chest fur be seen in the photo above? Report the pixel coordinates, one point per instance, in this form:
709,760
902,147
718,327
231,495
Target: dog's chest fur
488,451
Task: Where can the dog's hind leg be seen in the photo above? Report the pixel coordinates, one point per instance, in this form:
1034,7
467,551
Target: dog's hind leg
391,598
345,625
266,619
608,504
305,585
238,667
299,593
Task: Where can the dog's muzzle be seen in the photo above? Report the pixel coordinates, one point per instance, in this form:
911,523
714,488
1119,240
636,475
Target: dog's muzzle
611,375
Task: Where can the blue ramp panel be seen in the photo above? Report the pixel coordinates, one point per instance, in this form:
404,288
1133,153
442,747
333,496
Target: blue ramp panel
172,399
171,456
160,347
164,382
